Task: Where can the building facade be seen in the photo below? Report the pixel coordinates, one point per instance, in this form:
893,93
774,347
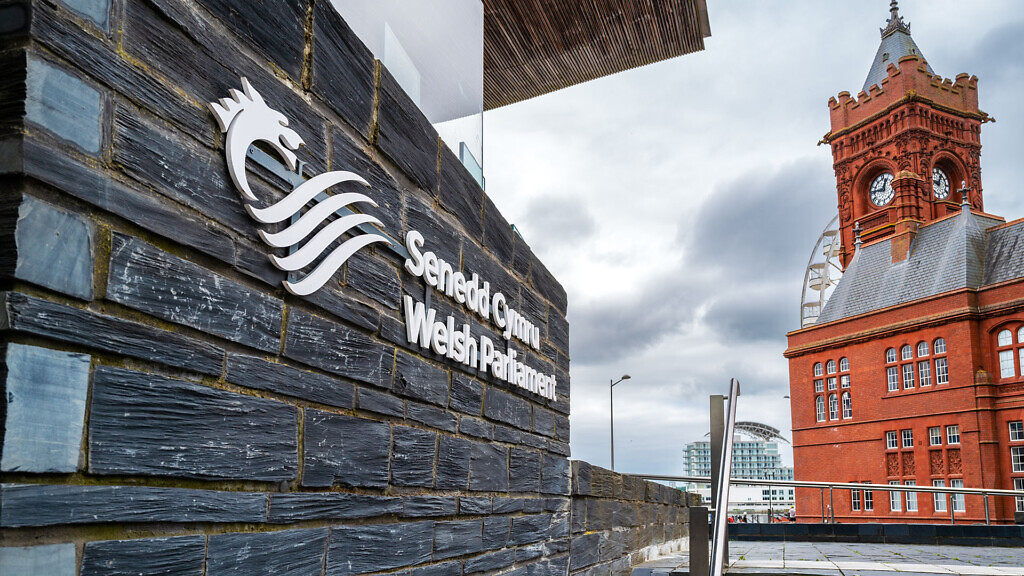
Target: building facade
913,374
752,459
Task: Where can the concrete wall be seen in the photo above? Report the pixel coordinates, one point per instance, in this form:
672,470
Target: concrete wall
168,406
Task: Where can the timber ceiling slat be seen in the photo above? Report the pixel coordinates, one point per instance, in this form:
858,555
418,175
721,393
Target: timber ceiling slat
532,47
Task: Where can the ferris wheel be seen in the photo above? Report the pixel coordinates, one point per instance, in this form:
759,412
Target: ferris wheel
822,275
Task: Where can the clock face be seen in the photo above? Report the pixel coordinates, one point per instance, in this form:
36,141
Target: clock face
881,189
940,184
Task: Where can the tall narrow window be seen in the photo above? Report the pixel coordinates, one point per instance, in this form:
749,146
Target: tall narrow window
924,373
891,441
1018,484
893,378
832,383
1016,430
908,438
953,434
819,408
819,385
1017,458
939,497
847,406
935,436
894,497
833,407
908,376
844,381
911,497
941,371
869,499
855,500
1006,367
958,499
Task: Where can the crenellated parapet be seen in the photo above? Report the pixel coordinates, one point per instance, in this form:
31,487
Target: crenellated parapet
909,80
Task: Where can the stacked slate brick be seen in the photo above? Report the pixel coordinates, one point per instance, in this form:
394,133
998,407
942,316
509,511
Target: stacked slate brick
168,407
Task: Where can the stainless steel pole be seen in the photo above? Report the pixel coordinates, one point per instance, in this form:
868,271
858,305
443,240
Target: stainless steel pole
611,413
721,534
987,519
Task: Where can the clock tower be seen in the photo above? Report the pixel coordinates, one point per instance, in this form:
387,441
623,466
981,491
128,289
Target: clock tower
907,149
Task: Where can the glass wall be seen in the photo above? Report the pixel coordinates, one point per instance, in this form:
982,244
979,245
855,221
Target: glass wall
435,50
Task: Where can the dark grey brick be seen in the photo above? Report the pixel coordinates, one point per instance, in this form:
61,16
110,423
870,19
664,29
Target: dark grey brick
287,552
373,277
460,194
380,403
345,450
490,562
434,417
533,505
507,435
459,538
54,249
503,505
405,135
261,374
145,424
548,287
357,549
558,334
178,556
453,463
524,470
527,553
350,155
543,421
476,427
466,396
584,550
63,104
446,569
498,235
342,69
554,475
475,505
496,530
152,281
488,467
530,529
299,506
332,347
421,380
48,505
507,408
334,300
43,402
561,428
412,457
426,506
29,315
438,235
276,29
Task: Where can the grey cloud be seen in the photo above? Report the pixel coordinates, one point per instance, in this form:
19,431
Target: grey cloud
559,220
760,313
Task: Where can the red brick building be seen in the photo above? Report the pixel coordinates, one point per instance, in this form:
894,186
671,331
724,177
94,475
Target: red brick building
913,372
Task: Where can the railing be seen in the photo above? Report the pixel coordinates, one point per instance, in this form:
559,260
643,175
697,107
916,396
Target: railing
830,486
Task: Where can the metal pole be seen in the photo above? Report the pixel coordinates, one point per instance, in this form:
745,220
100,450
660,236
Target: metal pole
611,413
821,497
987,520
721,534
717,415
699,562
831,507
949,502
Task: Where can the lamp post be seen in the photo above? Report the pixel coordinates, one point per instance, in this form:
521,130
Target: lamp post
611,398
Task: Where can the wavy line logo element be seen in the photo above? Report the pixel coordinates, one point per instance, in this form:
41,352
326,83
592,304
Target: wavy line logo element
247,119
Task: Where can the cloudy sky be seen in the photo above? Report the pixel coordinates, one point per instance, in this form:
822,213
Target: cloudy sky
678,203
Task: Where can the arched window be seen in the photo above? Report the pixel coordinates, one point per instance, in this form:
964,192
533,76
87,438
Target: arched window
817,369
844,364
833,407
819,408
906,353
890,355
1010,356
847,405
1005,338
830,367
922,348
1020,335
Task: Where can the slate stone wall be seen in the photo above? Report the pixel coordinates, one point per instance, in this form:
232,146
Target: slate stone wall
168,407
618,521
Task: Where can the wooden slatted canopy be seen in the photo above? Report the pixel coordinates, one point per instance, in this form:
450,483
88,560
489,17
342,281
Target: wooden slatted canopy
532,47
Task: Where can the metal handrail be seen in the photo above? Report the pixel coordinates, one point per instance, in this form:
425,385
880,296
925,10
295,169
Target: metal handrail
718,543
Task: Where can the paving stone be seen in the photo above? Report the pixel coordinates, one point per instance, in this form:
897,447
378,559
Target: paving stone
152,281
287,552
412,457
146,424
54,249
357,549
60,102
177,556
51,559
30,315
460,538
344,450
329,346
300,506
260,374
44,403
51,505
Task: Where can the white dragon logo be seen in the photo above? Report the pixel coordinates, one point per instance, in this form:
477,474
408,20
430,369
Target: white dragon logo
247,119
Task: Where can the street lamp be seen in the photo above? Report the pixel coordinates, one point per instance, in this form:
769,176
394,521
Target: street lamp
611,398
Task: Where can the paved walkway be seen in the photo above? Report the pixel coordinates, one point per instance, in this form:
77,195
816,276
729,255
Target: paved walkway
836,559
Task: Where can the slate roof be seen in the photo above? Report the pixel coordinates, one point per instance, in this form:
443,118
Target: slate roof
896,43
964,251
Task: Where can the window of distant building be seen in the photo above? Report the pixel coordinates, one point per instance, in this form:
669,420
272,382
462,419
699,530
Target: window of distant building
924,373
939,497
953,434
935,436
844,364
911,496
847,406
894,497
922,348
958,499
819,408
830,367
891,441
869,499
906,353
855,500
833,407
890,355
892,377
832,383
1016,431
908,438
908,376
941,364
1017,458
818,369
1010,353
